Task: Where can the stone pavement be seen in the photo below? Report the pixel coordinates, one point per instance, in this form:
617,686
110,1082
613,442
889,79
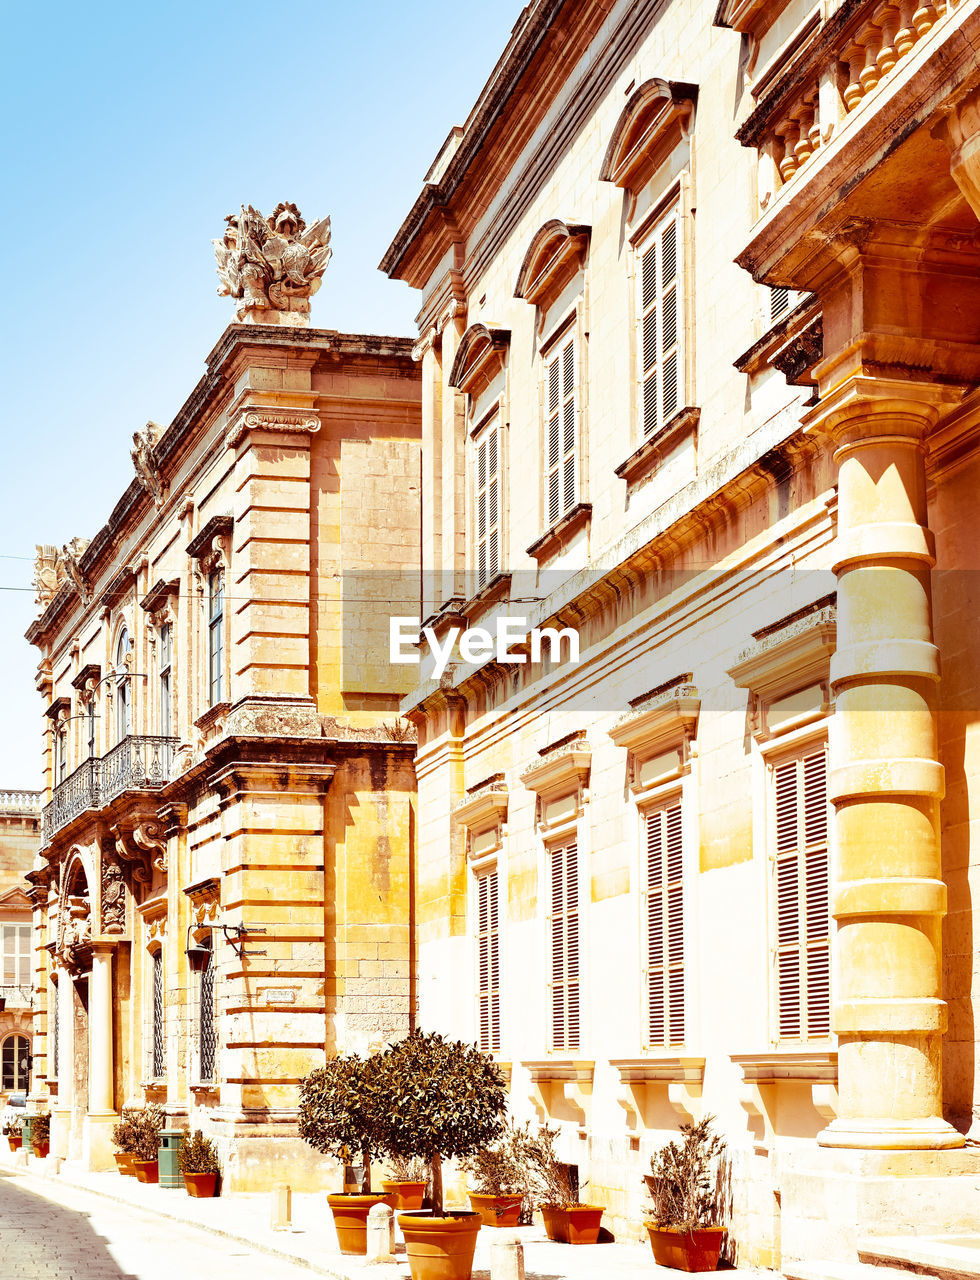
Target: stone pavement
231,1236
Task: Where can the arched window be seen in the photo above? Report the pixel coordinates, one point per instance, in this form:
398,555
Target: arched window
15,1061
122,686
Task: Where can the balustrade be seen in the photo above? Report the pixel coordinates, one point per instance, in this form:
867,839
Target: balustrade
137,763
833,81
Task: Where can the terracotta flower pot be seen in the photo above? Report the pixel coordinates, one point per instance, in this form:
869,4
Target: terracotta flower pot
14,1141
201,1185
40,1149
125,1163
350,1211
572,1224
404,1195
696,1250
440,1248
147,1170
497,1211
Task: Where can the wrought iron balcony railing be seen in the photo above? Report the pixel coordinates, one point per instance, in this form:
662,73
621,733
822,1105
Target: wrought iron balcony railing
139,762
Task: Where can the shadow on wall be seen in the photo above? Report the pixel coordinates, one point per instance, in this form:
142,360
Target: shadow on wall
34,1233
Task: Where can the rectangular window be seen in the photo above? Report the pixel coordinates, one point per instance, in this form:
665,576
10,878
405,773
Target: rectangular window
802,874
216,613
562,427
166,666
61,742
660,322
487,498
564,922
488,961
156,1045
53,1029
208,1040
664,884
90,723
16,955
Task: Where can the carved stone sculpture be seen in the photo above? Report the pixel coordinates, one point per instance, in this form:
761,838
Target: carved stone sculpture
274,265
45,575
113,898
147,471
68,565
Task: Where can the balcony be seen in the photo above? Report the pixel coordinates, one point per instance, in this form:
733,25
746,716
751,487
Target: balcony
844,120
140,762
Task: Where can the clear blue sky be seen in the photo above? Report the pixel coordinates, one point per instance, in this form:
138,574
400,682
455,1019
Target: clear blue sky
130,130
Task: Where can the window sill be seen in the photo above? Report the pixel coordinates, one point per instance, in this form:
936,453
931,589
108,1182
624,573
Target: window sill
204,1086
560,534
642,461
808,1066
493,591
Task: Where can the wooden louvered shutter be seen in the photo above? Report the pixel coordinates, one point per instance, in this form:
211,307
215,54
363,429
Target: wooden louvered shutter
665,926
488,961
561,432
565,1011
778,303
802,898
487,488
660,315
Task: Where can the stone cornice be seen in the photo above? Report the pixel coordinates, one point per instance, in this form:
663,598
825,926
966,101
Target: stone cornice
91,671
765,1068
159,594
646,130
672,715
562,768
482,350
557,250
797,653
483,811
642,460
217,527
643,1070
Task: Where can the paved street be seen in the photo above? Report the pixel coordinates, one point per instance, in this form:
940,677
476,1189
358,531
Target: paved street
82,1236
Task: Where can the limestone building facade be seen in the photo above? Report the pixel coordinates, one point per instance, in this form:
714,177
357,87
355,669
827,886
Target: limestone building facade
699,348
222,890
20,828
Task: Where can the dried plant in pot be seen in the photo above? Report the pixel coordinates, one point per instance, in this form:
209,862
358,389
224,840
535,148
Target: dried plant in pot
41,1134
125,1140
14,1133
566,1219
338,1116
197,1160
147,1122
500,1174
405,1189
443,1100
685,1231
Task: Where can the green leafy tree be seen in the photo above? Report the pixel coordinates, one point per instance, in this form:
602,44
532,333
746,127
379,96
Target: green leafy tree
442,1100
339,1106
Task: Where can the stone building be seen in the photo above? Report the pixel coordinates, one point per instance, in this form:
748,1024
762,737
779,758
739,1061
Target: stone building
222,891
20,827
703,868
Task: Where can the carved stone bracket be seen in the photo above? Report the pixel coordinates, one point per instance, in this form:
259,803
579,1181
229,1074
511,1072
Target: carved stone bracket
279,420
140,844
641,1078
205,899
561,1083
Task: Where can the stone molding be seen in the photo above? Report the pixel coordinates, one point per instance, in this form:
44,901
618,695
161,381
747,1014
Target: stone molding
563,770
201,545
643,459
557,1080
640,1079
669,719
560,534
280,421
481,354
791,657
656,117
556,253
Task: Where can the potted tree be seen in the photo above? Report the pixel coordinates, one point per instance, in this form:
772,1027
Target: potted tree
338,1107
147,1122
500,1172
41,1134
566,1219
124,1138
197,1160
443,1099
685,1231
406,1188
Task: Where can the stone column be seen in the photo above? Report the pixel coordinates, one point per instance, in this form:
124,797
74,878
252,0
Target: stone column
100,1090
886,780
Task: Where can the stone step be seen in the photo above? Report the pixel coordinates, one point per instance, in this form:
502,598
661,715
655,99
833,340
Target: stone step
950,1257
820,1269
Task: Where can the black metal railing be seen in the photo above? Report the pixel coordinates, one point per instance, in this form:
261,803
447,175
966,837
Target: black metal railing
139,762
78,792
